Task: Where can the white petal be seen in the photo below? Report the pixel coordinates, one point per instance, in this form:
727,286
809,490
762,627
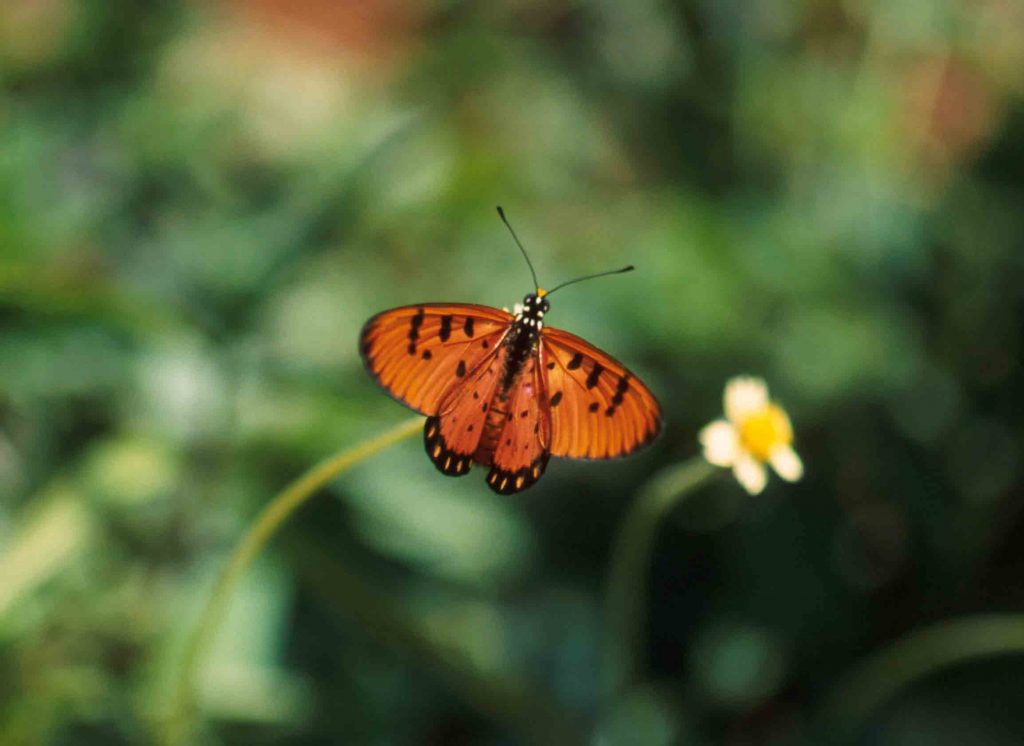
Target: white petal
787,463
745,395
751,473
721,443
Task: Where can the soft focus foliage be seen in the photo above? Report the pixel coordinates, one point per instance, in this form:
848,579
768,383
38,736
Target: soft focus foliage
200,203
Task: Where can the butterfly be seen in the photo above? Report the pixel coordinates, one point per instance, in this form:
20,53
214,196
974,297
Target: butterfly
505,391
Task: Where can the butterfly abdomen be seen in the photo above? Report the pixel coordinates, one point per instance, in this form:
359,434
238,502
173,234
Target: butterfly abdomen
497,416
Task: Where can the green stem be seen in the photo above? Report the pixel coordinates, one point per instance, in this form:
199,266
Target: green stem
914,657
631,557
260,531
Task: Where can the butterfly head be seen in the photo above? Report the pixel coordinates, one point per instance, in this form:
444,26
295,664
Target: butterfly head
531,313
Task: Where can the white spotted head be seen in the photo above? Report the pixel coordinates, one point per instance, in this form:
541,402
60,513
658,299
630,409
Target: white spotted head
535,305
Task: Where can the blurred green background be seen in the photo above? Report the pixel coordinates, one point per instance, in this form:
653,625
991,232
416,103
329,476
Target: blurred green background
200,204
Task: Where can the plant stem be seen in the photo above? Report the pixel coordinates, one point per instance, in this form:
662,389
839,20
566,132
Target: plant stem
912,658
626,602
260,531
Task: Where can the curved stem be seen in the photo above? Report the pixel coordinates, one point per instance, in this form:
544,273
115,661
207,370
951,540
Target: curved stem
914,657
260,531
626,602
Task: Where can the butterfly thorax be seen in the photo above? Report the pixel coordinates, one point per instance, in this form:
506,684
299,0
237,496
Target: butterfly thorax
523,338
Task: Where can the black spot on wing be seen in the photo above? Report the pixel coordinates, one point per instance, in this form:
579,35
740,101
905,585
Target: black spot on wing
446,327
467,328
414,329
460,369
595,375
621,389
576,362
556,398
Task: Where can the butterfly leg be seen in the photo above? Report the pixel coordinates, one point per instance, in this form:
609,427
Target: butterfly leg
445,459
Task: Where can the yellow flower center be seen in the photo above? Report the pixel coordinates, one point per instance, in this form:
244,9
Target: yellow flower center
762,431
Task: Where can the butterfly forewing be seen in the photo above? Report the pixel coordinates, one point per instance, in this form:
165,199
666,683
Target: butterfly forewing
598,408
418,353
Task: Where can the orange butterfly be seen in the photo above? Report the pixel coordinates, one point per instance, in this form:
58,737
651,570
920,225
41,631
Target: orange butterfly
503,390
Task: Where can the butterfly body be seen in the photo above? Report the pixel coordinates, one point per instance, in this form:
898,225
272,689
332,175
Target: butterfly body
523,337
503,391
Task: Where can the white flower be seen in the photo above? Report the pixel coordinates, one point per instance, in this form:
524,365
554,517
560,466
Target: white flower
755,432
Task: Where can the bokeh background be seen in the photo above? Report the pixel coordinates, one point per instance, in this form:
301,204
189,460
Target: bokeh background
200,204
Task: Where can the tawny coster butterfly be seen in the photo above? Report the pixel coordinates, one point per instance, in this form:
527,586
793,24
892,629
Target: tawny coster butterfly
504,391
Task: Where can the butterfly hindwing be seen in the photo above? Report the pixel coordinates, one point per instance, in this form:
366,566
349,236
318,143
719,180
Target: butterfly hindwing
523,446
598,408
452,436
418,353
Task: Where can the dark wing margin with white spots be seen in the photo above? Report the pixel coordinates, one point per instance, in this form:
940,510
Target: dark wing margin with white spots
418,353
599,409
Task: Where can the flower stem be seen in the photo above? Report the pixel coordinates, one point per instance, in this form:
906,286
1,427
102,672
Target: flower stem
626,601
912,658
260,531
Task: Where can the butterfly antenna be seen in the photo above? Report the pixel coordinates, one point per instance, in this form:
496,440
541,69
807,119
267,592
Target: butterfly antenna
529,264
630,268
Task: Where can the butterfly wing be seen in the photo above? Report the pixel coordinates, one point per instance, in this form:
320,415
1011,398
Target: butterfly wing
598,408
418,353
523,444
453,435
